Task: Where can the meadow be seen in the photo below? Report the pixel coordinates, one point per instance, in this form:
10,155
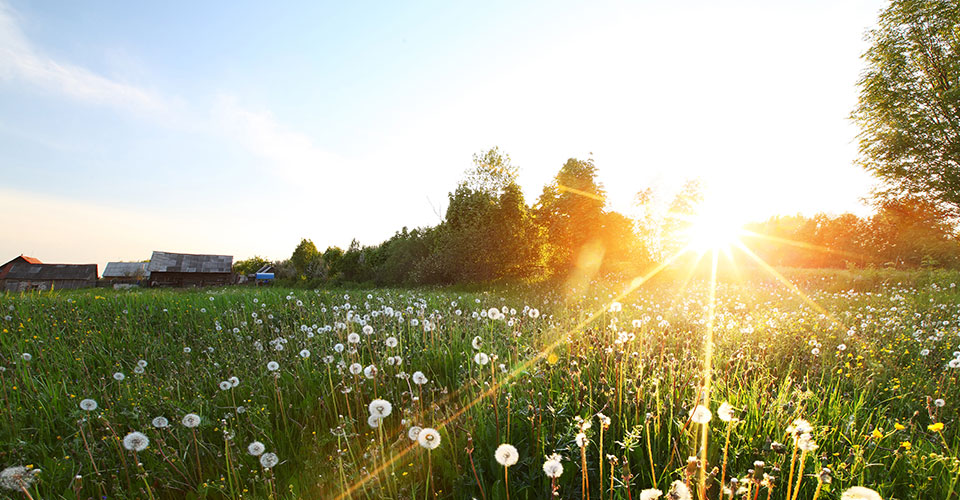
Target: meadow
749,389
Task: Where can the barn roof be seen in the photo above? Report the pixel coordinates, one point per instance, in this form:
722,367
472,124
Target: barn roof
26,271
24,258
189,263
126,270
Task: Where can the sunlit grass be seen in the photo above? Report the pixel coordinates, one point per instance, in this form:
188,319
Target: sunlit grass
866,368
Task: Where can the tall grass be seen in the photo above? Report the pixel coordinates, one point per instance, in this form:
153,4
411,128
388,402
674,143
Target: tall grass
867,371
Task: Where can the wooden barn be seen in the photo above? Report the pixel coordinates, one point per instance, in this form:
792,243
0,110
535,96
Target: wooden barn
26,273
183,269
130,273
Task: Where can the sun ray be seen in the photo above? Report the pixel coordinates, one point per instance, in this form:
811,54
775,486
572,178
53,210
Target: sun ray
790,286
515,371
802,244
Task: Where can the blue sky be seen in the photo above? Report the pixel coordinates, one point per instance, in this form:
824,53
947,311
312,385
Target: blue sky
238,128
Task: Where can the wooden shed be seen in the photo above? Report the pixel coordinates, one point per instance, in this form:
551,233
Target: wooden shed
26,273
184,269
126,273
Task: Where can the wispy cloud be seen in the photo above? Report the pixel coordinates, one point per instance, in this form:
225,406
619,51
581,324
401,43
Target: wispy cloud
290,153
21,60
280,148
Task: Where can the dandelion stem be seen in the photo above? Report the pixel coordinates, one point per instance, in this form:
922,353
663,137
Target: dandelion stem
796,490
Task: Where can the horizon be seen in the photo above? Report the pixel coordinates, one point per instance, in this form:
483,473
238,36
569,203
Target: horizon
230,135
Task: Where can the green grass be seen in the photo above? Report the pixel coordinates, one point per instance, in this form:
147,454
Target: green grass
556,367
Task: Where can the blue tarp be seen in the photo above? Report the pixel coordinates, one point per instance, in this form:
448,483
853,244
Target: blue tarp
264,276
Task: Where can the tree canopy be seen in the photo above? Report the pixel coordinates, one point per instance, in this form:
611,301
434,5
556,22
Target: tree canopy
909,104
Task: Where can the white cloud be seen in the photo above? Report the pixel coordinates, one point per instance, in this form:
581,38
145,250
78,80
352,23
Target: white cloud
21,61
287,152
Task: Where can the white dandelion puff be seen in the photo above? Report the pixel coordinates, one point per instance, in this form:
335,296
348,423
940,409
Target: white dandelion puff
506,455
429,438
136,441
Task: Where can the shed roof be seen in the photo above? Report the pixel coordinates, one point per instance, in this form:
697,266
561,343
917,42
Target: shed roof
169,262
126,270
24,258
26,271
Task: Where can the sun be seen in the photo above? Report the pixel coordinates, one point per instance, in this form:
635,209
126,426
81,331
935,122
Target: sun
715,226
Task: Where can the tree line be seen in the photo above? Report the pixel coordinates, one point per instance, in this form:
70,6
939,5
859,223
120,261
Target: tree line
489,233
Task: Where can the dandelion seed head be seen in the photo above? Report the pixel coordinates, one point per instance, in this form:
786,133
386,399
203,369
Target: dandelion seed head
429,438
191,420
136,441
269,460
256,448
506,455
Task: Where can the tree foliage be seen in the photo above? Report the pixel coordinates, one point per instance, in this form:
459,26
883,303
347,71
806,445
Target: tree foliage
909,105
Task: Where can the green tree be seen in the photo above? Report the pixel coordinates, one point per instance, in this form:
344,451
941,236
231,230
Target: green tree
570,209
305,258
250,265
491,173
909,105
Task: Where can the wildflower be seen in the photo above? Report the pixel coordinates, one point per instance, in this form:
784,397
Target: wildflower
391,342
380,408
506,455
481,359
799,426
725,412
937,427
373,421
939,403
477,342
338,347
898,426
305,354
906,445
581,439
604,420
160,422
142,363
413,432
234,381
806,443
650,494
191,420
225,386
367,330
353,338
256,448
269,460
17,478
119,376
88,405
429,438
273,366
356,368
860,493
877,434
679,491
419,378
552,466
136,441
186,350
825,475
534,314
700,415
26,356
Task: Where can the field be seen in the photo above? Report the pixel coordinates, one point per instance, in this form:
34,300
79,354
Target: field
609,383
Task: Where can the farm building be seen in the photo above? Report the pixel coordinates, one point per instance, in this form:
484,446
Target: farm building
26,273
126,273
183,269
